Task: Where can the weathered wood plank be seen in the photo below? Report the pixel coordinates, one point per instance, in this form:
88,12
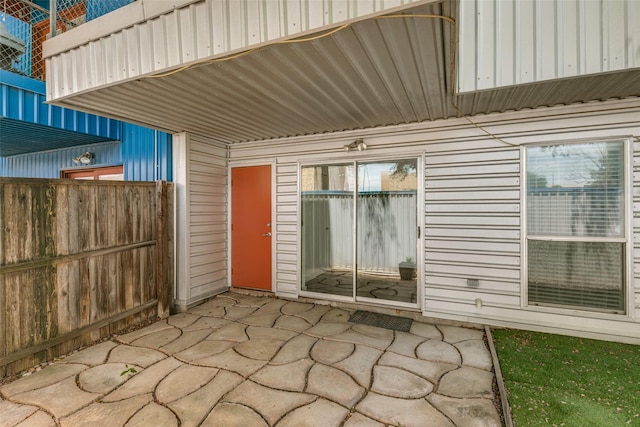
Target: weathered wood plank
3,292
26,316
143,273
126,222
136,213
63,220
63,313
39,303
102,217
74,216
10,255
94,289
91,216
73,305
78,333
51,224
25,231
136,275
84,293
3,315
120,286
127,267
111,217
103,287
12,332
121,215
76,260
112,284
84,215
29,265
37,221
163,290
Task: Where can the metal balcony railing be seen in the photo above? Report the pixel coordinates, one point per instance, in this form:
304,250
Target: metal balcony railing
25,25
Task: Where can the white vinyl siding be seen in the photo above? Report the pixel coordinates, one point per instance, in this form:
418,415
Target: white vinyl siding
473,211
472,227
286,229
201,182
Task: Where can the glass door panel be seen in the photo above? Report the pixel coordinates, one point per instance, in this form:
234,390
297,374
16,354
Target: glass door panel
327,205
387,230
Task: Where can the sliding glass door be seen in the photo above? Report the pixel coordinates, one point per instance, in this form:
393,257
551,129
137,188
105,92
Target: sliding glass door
327,228
362,211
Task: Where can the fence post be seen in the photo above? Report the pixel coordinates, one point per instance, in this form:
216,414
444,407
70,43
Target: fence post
3,289
162,250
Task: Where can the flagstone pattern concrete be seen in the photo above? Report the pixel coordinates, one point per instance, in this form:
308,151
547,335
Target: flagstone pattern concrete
242,360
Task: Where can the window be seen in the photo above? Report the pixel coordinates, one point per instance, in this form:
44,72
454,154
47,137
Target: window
110,173
576,244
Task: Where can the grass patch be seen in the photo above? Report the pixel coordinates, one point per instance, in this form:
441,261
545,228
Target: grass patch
555,380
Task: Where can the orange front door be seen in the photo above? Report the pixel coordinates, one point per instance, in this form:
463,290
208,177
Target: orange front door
251,227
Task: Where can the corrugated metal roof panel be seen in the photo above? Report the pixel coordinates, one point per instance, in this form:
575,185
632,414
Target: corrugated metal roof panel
376,72
27,124
19,137
505,43
598,87
195,32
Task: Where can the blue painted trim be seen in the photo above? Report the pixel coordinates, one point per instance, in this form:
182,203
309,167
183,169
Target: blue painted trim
21,82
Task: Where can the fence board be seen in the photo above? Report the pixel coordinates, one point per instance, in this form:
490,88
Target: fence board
62,279
78,261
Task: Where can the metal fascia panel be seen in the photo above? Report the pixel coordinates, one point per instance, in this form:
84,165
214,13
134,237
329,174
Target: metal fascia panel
504,43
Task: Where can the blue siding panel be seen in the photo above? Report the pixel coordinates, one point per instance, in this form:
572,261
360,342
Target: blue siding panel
37,139
27,105
47,164
146,154
165,156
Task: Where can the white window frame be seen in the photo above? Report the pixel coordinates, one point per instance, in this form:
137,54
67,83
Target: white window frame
627,240
420,222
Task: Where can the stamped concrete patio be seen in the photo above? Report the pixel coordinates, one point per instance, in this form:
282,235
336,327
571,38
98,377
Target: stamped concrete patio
241,360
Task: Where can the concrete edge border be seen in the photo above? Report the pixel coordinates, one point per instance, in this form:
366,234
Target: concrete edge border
506,411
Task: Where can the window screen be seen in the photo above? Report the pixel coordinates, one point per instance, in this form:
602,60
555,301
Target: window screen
575,225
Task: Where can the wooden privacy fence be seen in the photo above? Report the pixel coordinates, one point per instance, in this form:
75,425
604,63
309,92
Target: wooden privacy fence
79,260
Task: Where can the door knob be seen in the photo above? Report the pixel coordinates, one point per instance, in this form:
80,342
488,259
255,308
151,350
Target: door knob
267,234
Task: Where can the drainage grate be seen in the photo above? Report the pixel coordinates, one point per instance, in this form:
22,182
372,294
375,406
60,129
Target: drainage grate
381,320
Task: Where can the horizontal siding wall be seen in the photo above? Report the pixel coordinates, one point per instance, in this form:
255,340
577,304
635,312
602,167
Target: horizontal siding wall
472,208
207,188
472,226
636,227
286,230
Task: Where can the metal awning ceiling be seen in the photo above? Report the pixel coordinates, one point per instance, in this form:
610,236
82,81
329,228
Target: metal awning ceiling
21,137
29,125
374,73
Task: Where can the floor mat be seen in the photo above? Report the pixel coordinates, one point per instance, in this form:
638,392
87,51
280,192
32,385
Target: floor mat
381,320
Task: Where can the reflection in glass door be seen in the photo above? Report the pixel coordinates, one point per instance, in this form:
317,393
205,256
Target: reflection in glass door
326,207
387,231
365,211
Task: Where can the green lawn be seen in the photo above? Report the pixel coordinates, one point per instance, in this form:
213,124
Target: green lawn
554,380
